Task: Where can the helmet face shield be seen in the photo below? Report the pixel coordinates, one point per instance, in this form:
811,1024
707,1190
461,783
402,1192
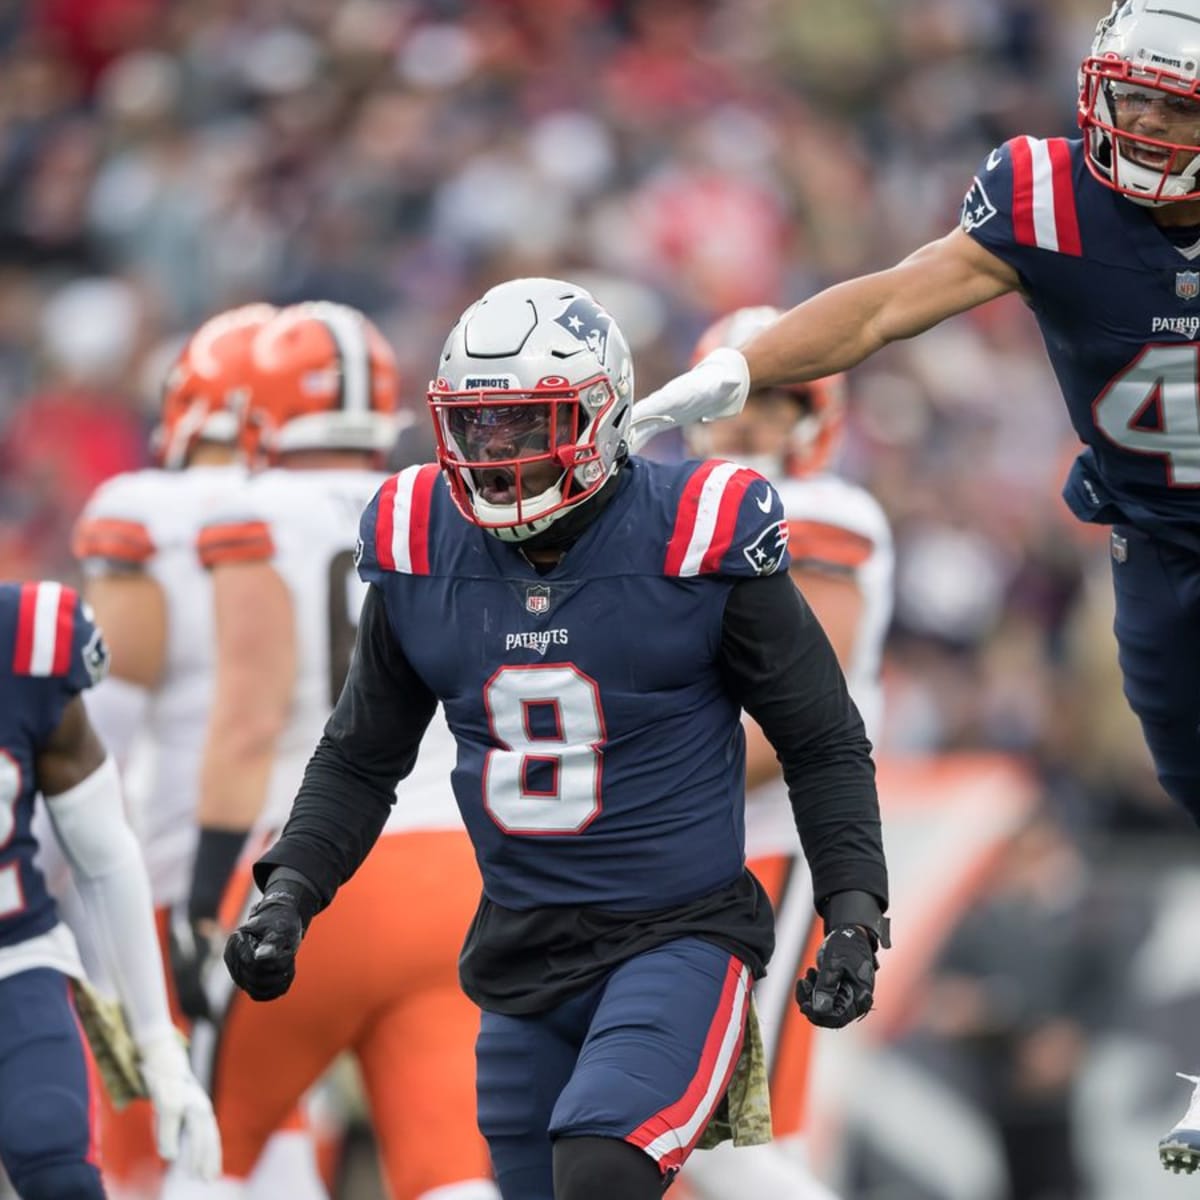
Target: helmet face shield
531,404
532,452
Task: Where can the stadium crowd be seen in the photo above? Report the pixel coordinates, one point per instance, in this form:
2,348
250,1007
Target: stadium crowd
160,161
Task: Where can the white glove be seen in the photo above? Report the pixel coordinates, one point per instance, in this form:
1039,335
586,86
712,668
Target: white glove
714,388
184,1125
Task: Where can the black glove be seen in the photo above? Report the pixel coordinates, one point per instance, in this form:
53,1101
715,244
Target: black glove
261,952
842,987
193,948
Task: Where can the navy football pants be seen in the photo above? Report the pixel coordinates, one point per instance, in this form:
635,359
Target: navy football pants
644,1057
1158,643
47,1105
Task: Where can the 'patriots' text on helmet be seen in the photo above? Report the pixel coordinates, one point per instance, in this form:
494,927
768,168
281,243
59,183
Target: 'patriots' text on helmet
1139,101
531,405
789,431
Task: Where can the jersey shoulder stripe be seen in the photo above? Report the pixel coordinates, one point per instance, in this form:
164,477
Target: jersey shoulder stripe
114,539
45,629
707,517
1043,202
235,542
401,540
818,543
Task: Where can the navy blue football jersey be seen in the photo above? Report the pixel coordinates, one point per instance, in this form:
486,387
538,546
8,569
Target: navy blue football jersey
1119,309
49,651
600,757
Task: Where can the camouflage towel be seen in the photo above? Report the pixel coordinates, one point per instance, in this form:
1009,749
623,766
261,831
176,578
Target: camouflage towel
744,1114
112,1046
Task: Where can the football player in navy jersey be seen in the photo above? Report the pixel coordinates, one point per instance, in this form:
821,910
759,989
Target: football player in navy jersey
1101,235
592,624
49,652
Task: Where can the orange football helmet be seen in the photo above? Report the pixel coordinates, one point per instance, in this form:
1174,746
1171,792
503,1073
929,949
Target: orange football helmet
324,379
820,404
207,386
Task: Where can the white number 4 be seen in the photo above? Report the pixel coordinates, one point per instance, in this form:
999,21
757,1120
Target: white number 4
1169,376
546,777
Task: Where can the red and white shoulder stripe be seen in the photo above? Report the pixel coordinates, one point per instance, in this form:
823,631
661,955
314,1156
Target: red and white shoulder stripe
707,517
402,522
1043,206
45,629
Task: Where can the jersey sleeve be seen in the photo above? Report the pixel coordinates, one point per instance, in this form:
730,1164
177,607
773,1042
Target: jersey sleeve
237,534
835,528
394,530
1022,203
113,532
729,521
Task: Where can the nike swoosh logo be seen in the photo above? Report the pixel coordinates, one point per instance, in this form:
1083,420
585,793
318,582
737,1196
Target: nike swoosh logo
993,160
765,503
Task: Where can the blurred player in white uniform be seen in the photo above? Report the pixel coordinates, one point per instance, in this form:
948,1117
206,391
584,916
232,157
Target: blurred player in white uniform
841,548
137,542
380,975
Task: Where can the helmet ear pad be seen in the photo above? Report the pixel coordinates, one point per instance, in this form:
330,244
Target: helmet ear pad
539,345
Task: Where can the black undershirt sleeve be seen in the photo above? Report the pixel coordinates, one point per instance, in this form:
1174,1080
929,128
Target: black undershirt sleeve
779,665
370,743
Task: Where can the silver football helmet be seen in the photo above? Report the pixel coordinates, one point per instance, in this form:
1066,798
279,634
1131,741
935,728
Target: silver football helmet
530,405
1145,57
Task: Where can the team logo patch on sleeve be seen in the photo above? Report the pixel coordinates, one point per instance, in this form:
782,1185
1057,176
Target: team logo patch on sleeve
766,552
977,209
96,657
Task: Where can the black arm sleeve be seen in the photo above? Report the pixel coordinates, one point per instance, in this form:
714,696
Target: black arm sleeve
370,743
780,667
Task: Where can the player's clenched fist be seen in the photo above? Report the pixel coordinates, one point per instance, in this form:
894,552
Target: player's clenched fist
261,954
842,986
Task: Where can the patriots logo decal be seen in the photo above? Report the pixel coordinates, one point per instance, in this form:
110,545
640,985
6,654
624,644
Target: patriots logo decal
977,209
589,323
766,552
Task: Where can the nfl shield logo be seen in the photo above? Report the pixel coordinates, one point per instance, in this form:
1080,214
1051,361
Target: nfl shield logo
1187,284
537,600
1119,547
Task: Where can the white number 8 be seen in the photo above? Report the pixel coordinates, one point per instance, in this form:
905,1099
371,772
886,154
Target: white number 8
564,752
11,898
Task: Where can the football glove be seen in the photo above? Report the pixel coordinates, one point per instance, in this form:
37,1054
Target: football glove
716,387
194,948
841,988
261,953
185,1129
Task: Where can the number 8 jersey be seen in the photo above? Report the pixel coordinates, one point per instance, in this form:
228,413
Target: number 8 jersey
601,758
1118,304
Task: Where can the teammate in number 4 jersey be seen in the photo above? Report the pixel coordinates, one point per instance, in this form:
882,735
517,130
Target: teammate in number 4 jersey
1101,235
593,625
50,651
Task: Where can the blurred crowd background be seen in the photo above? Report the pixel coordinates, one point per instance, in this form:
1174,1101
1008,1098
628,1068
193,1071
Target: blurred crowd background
161,160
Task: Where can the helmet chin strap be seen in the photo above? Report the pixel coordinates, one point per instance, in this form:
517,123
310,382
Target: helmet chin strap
574,521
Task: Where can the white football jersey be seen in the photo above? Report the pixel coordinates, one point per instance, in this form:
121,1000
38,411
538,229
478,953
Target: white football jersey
150,520
836,526
312,517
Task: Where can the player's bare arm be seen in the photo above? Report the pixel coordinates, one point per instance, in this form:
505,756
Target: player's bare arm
132,611
849,322
256,669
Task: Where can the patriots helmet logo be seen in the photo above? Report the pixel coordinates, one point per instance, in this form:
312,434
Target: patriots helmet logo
585,320
766,552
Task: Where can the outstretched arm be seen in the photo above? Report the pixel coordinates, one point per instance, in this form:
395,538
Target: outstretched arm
833,331
847,323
